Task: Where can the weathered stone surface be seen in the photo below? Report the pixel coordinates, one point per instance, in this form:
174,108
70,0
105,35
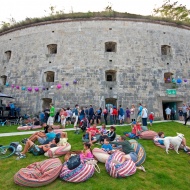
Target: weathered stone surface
81,56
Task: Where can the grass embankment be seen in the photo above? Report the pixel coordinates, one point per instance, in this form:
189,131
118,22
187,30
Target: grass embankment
163,171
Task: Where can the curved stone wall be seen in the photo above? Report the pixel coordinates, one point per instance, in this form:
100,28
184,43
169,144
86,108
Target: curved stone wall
137,63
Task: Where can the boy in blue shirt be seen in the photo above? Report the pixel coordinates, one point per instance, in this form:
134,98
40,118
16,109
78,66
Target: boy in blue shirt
107,146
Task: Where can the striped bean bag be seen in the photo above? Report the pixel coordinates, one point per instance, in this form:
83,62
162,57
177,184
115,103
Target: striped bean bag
148,135
100,155
58,151
79,174
159,145
119,170
39,173
28,127
139,151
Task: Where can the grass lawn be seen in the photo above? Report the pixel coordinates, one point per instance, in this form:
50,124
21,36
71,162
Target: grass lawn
163,171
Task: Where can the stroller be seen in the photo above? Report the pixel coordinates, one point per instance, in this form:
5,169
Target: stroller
84,124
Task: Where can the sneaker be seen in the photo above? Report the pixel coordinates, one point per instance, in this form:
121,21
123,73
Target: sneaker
21,156
142,168
185,149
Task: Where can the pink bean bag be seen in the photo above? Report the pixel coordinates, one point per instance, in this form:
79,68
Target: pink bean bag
56,126
148,135
39,173
81,173
27,127
125,169
58,151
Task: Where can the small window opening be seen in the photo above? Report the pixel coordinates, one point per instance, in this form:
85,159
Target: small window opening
110,75
110,88
52,48
168,77
8,55
49,76
110,46
166,50
4,79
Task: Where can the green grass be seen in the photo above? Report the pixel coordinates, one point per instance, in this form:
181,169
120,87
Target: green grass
163,171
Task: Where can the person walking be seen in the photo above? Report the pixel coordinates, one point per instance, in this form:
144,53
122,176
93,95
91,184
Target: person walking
168,113
51,115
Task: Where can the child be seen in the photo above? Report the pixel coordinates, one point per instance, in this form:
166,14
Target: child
106,146
103,130
63,140
151,118
86,153
161,135
136,130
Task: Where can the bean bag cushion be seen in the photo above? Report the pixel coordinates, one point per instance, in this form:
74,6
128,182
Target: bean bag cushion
28,127
159,145
125,169
100,155
56,126
139,151
148,135
39,173
58,151
79,174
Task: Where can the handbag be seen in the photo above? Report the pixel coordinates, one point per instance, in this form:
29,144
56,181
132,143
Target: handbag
94,163
73,162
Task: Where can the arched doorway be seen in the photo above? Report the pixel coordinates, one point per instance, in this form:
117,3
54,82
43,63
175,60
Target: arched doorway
46,103
110,102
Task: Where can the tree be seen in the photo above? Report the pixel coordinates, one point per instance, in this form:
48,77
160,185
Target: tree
173,11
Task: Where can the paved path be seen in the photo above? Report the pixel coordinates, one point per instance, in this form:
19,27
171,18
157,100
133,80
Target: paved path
71,129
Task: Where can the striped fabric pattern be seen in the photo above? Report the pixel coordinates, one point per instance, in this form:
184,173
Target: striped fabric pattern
159,145
148,135
100,155
139,151
79,174
58,151
125,169
39,173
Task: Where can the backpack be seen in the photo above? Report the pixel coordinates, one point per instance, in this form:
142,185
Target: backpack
105,111
16,146
73,162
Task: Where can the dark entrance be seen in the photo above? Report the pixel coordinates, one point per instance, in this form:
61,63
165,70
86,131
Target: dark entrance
110,102
46,103
170,105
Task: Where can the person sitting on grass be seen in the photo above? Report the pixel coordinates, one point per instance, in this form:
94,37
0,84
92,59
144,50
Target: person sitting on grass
136,130
128,150
37,150
107,147
92,134
183,143
43,138
110,134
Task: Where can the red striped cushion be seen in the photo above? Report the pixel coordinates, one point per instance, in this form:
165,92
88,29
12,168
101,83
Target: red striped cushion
58,151
79,174
39,173
149,135
119,170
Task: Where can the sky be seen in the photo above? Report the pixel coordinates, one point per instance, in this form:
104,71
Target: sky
21,9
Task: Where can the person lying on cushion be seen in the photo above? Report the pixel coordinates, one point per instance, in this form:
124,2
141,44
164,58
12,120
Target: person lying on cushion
128,150
183,143
42,137
37,150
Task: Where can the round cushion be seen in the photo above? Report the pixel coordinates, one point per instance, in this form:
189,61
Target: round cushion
28,127
39,173
139,151
125,169
148,135
79,174
56,126
100,155
58,151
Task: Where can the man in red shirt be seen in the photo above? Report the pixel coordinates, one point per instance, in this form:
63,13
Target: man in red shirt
93,133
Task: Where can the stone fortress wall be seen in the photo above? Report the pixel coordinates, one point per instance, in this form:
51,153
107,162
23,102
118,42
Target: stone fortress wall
135,63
